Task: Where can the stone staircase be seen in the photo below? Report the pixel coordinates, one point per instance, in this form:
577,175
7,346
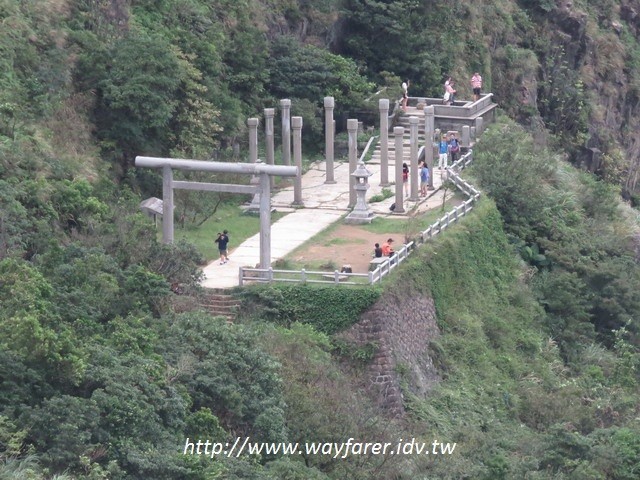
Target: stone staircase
220,303
403,121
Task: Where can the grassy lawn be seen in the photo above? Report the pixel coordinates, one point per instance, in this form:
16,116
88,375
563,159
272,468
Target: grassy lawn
228,217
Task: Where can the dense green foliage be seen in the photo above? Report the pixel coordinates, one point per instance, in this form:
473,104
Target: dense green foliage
515,406
328,309
590,283
100,378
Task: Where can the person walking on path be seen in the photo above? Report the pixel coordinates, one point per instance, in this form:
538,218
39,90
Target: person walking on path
476,85
424,179
405,94
449,92
222,241
405,179
443,152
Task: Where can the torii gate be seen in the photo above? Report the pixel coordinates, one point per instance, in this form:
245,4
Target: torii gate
263,188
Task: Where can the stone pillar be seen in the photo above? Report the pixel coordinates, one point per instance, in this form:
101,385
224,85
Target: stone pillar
352,131
479,126
269,113
329,131
398,132
285,106
466,137
413,167
296,123
383,104
429,125
253,139
167,204
265,221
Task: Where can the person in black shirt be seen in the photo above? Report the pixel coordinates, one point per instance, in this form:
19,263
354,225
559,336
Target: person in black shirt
377,251
222,241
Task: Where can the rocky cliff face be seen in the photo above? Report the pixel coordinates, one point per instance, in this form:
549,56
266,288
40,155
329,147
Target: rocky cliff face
578,75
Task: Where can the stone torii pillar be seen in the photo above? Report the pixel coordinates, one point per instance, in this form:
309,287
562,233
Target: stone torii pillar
413,131
383,105
398,132
429,125
296,123
253,139
263,171
285,106
352,131
269,113
329,139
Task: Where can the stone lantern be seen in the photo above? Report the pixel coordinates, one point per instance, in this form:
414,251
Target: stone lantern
360,213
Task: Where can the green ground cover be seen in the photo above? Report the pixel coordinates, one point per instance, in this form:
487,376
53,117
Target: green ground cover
228,217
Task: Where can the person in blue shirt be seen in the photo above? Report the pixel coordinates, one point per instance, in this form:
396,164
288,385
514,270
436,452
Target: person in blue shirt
443,151
424,179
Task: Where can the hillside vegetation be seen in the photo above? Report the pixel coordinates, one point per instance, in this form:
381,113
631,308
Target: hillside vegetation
105,371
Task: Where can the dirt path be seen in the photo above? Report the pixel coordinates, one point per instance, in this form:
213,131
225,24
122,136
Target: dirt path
347,244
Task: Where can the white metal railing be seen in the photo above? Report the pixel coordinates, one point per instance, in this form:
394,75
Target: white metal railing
268,275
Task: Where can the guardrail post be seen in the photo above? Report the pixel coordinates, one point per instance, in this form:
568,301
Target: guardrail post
270,274
336,276
303,275
240,275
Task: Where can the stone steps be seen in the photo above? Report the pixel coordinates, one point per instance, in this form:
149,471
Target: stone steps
221,304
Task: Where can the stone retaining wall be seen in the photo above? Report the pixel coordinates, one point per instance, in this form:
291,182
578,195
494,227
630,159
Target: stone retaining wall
401,325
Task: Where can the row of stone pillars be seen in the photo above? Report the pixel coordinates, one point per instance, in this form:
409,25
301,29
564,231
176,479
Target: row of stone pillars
295,124
288,123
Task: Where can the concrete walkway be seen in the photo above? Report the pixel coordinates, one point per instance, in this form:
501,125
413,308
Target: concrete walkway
324,204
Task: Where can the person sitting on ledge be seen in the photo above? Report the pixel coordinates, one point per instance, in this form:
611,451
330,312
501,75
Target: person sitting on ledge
387,249
377,251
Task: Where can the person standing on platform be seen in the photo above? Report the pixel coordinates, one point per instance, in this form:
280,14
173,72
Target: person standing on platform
424,179
454,147
476,85
405,179
443,152
405,94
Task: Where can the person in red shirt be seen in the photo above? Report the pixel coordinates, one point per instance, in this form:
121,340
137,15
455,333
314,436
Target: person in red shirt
387,249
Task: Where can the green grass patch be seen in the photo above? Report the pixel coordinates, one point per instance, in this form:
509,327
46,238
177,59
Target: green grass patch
228,217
